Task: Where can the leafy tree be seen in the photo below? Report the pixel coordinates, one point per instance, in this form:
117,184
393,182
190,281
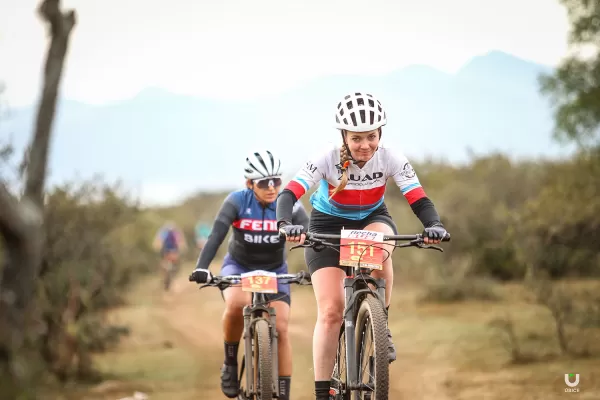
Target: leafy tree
574,88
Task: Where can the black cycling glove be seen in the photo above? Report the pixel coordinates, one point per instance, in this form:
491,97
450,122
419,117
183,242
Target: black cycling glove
292,231
435,232
201,275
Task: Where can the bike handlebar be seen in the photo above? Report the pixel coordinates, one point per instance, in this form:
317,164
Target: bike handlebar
300,278
418,237
318,240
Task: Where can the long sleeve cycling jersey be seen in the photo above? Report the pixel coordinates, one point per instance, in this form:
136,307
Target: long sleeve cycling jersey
365,189
255,241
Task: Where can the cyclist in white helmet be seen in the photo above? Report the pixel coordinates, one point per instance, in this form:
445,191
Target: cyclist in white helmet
255,245
352,179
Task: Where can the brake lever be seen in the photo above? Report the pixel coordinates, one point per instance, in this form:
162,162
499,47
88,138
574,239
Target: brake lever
299,245
316,245
421,245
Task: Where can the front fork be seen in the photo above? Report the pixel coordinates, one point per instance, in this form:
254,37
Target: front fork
251,316
350,311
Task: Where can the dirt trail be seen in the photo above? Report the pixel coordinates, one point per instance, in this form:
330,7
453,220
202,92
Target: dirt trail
420,372
445,351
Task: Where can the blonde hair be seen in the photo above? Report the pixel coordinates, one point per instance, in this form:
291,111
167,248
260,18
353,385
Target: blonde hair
345,159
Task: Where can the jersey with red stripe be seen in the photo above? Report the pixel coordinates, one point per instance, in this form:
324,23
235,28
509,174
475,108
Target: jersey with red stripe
366,186
255,241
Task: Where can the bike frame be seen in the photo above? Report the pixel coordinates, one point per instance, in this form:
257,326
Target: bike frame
252,314
259,309
355,289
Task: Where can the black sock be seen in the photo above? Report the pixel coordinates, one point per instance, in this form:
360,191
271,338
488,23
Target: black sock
322,389
231,351
284,387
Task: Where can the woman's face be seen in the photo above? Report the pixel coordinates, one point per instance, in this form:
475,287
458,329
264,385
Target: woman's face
266,189
362,145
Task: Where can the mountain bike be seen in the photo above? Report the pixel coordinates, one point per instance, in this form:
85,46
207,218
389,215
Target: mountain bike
171,266
260,359
362,366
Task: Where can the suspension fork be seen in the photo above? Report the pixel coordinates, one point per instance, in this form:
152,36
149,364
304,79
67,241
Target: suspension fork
252,314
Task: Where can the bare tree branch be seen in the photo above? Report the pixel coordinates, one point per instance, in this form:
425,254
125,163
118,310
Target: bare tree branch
60,29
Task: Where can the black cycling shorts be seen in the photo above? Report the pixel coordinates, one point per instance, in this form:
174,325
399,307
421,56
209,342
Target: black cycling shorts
325,223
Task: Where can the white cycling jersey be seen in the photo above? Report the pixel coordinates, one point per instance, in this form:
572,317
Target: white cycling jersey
366,186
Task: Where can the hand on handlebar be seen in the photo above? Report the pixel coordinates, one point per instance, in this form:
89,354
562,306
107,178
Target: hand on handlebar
434,234
293,233
201,275
304,278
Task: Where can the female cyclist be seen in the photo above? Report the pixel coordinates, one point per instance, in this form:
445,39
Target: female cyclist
255,245
352,179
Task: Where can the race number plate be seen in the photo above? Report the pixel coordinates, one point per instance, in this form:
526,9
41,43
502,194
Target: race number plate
361,247
259,281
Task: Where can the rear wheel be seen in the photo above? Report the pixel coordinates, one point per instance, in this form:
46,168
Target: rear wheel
372,350
263,367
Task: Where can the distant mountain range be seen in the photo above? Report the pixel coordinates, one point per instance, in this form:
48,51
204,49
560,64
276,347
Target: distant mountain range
159,138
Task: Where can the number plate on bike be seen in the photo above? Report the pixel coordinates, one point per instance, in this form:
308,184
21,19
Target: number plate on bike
361,247
259,281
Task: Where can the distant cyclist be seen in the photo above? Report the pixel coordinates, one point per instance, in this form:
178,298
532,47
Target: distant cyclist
170,241
202,231
255,245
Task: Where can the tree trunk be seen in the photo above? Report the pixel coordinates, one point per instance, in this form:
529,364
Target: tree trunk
21,220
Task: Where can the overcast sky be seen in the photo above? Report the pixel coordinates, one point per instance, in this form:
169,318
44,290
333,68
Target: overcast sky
248,49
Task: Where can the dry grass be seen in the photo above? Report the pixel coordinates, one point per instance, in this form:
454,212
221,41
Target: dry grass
445,351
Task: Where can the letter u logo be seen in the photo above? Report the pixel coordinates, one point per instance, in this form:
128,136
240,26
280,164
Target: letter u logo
568,380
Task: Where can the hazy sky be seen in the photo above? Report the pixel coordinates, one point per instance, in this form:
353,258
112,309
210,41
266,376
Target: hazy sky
248,49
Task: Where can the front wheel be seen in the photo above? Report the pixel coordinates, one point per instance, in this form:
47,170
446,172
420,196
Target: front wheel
263,366
339,375
168,275
372,350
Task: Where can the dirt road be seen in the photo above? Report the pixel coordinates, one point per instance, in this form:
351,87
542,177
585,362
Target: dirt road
444,351
415,375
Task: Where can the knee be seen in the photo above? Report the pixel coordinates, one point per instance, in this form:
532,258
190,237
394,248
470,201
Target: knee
330,314
234,307
281,325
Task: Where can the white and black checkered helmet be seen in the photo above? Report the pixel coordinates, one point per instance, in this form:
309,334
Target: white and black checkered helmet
262,164
359,112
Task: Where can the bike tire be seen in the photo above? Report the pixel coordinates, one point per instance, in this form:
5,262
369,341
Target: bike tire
168,276
371,318
339,375
263,366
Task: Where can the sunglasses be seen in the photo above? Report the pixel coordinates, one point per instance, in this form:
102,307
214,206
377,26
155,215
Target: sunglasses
265,183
